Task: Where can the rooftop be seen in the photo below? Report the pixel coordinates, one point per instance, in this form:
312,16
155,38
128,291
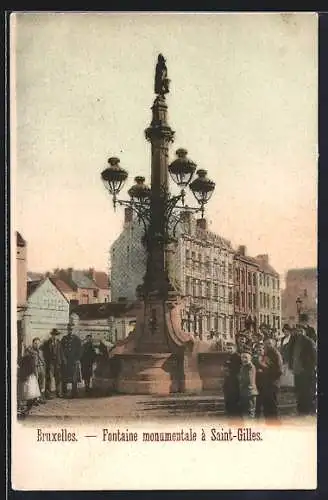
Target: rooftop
106,310
101,279
20,242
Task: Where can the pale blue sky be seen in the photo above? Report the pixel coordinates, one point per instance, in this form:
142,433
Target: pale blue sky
243,102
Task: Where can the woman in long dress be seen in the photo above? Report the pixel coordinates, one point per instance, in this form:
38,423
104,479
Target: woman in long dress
29,390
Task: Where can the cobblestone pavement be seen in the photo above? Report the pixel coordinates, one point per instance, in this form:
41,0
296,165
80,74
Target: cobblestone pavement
128,407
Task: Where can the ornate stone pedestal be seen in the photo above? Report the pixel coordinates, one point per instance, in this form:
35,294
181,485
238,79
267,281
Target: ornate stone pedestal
159,359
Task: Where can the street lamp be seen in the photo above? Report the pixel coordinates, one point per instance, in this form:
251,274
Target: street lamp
299,303
159,333
155,207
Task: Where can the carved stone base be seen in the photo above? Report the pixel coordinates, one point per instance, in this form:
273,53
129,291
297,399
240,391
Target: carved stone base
146,373
211,370
192,382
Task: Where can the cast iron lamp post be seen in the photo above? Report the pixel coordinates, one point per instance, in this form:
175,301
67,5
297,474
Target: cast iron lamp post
155,207
157,357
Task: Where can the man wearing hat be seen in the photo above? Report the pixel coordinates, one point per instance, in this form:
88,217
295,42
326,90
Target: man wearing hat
71,351
52,357
309,331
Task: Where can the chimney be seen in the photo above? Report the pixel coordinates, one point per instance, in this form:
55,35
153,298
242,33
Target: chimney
128,215
264,258
92,273
202,223
242,250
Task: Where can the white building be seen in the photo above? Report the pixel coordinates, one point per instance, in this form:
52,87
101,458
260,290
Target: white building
200,267
46,308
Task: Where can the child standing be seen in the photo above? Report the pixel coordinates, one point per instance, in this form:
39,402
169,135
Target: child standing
247,384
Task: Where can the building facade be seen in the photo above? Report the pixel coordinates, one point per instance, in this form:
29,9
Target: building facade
128,260
269,294
200,267
82,286
47,308
300,284
21,288
245,291
21,269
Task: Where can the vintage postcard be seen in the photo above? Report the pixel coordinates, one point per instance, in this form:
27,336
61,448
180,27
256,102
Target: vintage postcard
163,235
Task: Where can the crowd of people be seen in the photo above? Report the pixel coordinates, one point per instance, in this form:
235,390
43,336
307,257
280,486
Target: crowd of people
46,369
256,365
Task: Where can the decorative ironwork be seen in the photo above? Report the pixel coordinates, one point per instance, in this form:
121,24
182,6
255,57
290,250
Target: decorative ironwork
158,210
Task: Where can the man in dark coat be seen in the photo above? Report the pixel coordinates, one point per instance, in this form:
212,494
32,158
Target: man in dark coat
269,368
87,360
302,361
52,355
71,350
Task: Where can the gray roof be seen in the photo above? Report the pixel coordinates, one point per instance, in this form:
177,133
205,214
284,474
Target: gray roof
82,281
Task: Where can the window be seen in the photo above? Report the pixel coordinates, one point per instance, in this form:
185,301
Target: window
242,276
278,322
273,302
231,325
187,254
268,301
264,300
254,301
249,300
261,299
188,285
215,267
207,265
193,256
242,299
216,290
208,322
273,283
237,298
224,321
95,293
278,284
268,281
216,322
230,271
254,279
260,279
278,302
230,296
249,278
194,288
208,289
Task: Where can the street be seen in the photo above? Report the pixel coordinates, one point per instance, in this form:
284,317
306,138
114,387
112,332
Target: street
119,406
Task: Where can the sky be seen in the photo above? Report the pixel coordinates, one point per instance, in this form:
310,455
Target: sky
243,101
